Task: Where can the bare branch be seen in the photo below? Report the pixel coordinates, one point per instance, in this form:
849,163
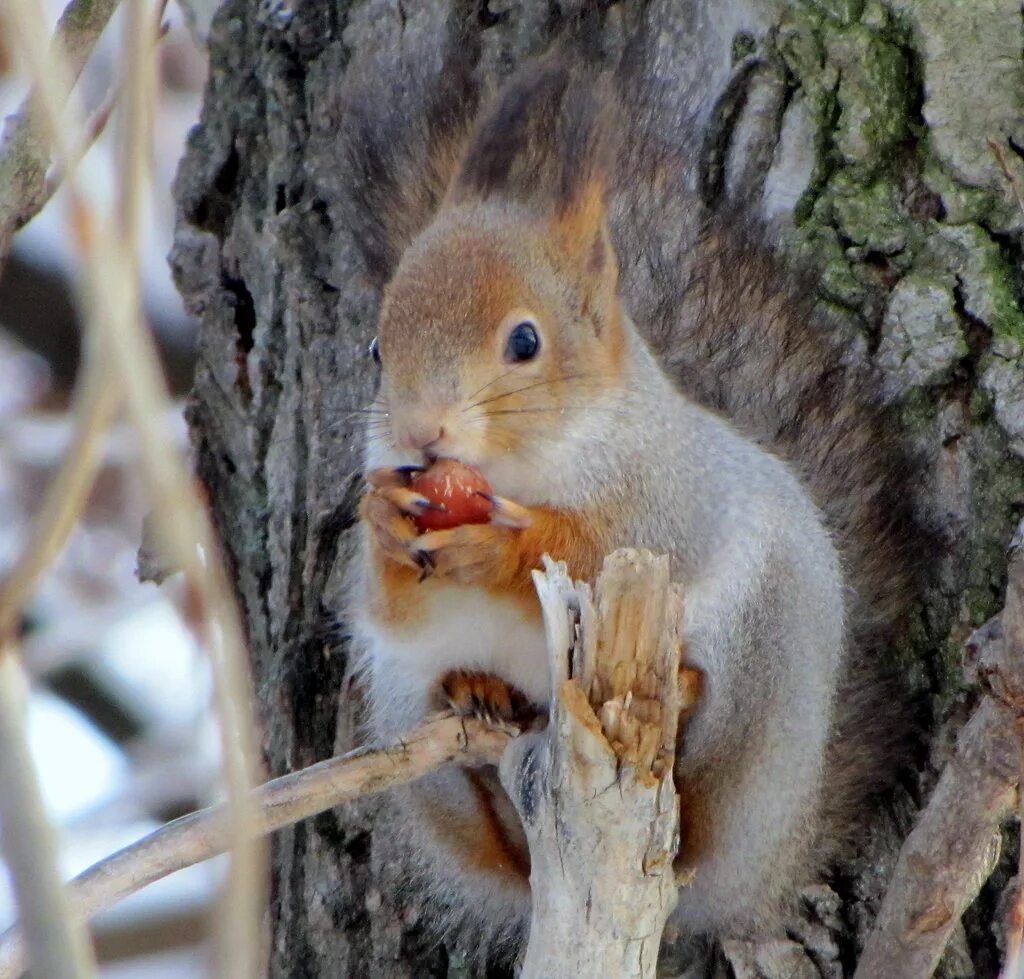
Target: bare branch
955,845
91,131
182,523
115,321
201,835
55,940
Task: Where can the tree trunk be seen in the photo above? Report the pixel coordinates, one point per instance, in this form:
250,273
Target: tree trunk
858,128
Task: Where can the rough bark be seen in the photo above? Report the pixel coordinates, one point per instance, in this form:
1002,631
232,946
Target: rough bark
858,127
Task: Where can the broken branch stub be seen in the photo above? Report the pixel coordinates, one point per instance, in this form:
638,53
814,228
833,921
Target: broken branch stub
595,791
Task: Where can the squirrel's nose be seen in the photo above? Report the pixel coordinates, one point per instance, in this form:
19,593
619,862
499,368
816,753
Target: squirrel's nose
422,435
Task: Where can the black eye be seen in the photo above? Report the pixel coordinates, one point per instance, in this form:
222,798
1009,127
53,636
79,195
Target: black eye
523,342
374,349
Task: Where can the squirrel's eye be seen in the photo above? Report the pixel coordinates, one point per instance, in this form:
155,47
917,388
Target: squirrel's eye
523,342
374,350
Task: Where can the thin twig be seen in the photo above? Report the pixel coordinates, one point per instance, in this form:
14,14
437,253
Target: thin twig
186,535
65,496
93,128
183,527
201,835
92,131
55,940
94,411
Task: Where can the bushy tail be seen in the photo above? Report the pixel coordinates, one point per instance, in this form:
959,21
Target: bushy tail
741,335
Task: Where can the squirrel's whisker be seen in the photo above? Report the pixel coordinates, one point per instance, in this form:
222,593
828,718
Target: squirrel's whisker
530,411
493,380
530,387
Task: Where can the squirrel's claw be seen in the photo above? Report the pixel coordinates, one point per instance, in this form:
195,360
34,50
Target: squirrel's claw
425,562
465,551
506,513
392,476
407,500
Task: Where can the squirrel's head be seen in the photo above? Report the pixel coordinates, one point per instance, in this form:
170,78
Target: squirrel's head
501,326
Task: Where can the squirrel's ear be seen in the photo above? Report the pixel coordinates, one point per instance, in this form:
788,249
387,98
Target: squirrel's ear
579,226
581,230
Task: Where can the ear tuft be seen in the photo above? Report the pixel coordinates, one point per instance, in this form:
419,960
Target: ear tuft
544,140
545,144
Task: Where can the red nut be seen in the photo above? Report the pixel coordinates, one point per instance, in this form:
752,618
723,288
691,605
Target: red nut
455,487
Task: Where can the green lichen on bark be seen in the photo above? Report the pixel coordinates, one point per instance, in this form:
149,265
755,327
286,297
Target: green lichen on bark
857,79
985,275
903,232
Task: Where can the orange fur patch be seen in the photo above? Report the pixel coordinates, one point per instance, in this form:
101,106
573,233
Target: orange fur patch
484,834
396,597
498,851
565,536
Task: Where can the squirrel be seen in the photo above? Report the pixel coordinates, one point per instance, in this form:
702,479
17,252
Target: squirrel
624,369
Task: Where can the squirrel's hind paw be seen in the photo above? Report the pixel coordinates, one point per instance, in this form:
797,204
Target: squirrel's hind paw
483,695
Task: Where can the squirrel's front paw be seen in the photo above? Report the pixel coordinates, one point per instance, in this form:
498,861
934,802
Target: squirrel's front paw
470,554
386,511
483,695
476,553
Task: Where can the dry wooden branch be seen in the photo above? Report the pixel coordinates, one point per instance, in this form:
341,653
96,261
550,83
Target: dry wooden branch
191,839
956,841
182,523
98,394
55,940
596,792
25,149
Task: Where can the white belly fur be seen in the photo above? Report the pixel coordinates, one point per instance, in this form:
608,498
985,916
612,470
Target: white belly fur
463,628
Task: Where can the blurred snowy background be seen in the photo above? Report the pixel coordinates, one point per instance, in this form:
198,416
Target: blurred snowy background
119,717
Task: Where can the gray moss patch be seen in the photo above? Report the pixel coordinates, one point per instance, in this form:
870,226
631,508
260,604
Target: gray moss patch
921,339
1003,381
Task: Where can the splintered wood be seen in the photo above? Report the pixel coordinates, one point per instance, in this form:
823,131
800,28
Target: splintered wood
636,664
595,792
